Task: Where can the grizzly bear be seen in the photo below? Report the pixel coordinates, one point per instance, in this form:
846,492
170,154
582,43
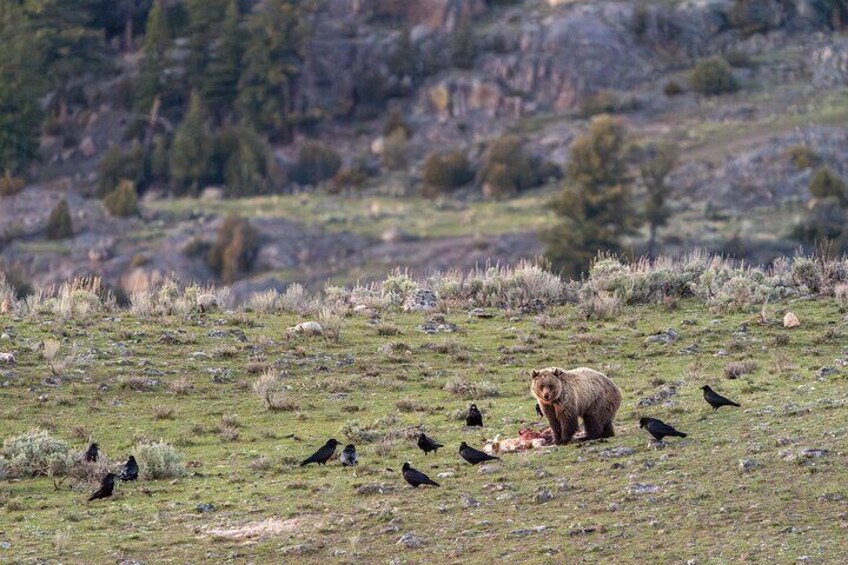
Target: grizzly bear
565,396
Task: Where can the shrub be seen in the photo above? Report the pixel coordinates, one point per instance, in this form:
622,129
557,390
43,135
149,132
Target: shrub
825,183
123,201
395,122
802,157
445,171
234,249
395,148
711,77
672,88
754,16
467,389
736,369
10,185
605,102
37,453
738,59
59,224
463,44
158,461
358,433
316,163
116,166
507,168
270,388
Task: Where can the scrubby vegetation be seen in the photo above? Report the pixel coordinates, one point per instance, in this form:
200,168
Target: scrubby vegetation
712,77
59,223
218,460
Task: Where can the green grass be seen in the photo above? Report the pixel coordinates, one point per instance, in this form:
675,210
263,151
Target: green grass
706,508
372,216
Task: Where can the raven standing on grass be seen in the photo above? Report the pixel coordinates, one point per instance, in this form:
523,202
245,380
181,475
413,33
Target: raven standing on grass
416,478
323,454
92,453
348,456
474,456
107,485
716,400
474,417
129,472
428,444
658,428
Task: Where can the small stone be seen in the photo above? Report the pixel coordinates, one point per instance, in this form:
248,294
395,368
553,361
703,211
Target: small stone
825,372
790,320
469,502
614,507
489,469
544,496
748,465
640,488
445,475
87,147
814,453
7,359
205,507
410,541
528,531
614,452
666,337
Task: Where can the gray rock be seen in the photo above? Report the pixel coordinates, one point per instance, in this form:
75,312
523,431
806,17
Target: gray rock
544,496
748,465
470,502
614,452
205,507
640,488
410,541
489,469
528,531
666,337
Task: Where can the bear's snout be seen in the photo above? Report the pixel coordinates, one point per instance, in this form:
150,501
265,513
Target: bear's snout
546,396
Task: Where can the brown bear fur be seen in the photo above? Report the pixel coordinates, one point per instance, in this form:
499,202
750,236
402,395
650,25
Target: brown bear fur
565,396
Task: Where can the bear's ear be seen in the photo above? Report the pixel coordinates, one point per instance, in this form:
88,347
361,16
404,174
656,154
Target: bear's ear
558,372
534,373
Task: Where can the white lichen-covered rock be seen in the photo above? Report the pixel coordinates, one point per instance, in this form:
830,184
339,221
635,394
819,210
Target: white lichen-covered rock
207,302
790,320
305,328
7,358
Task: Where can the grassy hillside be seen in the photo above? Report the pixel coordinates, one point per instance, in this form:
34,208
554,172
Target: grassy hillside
188,380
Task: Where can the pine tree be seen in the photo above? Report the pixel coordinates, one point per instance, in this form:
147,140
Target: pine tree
220,86
270,67
204,21
595,205
191,151
70,44
157,41
463,44
59,224
21,86
654,174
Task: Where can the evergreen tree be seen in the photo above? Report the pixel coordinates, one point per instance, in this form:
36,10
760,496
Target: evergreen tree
204,21
157,41
245,158
403,59
70,45
463,44
220,86
59,224
654,174
192,151
20,87
270,67
595,205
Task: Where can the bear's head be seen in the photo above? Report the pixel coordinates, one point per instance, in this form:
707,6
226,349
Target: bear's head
547,385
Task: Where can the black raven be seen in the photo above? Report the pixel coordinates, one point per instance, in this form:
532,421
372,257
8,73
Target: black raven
323,454
716,400
474,417
348,456
92,453
427,444
416,478
129,472
658,428
107,485
474,456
